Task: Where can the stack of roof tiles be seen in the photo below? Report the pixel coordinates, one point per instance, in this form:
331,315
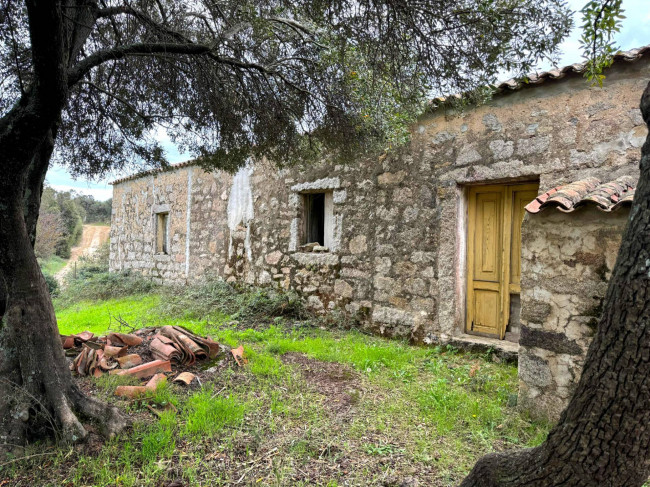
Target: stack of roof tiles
608,196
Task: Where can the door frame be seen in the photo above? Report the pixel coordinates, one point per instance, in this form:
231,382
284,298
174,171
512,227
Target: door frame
508,189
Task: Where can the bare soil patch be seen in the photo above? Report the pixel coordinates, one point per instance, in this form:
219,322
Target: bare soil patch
338,382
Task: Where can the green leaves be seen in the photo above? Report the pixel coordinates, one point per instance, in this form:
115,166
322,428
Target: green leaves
237,79
601,20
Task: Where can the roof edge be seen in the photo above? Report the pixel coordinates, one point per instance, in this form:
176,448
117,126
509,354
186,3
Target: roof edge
504,87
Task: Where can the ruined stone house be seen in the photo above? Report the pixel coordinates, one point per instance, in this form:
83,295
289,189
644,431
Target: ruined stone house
427,243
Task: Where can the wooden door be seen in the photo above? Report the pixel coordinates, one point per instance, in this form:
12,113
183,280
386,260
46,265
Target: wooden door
495,214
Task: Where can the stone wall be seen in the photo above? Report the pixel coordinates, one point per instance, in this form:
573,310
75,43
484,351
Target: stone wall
399,219
554,133
133,225
397,258
566,262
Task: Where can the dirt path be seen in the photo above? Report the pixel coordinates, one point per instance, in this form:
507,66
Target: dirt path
92,238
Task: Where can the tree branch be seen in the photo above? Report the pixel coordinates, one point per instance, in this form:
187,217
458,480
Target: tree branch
143,116
120,52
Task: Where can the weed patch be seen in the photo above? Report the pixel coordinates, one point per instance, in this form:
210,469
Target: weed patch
311,407
215,299
103,286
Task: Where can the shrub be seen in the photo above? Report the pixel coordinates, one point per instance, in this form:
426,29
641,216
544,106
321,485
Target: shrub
215,296
103,285
97,263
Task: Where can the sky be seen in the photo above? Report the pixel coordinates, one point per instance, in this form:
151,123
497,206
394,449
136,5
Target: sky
635,32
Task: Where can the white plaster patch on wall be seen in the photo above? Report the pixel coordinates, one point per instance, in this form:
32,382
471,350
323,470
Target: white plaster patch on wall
392,316
189,218
340,196
461,258
293,236
319,184
318,259
240,207
294,201
121,233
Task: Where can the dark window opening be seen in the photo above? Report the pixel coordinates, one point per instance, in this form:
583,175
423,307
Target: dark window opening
162,220
315,218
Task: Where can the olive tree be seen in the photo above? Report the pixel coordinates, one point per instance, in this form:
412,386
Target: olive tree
88,83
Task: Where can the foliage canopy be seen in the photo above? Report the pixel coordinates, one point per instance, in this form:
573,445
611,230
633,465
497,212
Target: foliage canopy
283,79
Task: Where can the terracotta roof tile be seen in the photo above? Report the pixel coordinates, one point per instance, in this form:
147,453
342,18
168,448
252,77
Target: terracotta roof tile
607,196
514,84
579,68
170,167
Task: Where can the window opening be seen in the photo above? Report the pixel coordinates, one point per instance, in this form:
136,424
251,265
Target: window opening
162,221
318,219
315,218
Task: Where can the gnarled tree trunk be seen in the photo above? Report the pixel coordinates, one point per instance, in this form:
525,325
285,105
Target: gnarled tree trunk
36,387
603,436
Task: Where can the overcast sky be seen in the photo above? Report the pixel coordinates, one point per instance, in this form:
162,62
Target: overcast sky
634,33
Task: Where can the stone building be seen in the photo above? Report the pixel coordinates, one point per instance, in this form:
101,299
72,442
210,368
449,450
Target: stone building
426,243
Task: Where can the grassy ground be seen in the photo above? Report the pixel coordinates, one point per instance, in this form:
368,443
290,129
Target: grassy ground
52,264
312,407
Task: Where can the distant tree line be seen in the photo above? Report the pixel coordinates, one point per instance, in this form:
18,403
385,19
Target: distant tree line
61,220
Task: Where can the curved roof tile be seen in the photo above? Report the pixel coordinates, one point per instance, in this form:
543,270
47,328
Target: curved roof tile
578,68
608,196
514,84
156,170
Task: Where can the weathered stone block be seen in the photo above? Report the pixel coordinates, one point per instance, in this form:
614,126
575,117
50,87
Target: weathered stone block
535,311
358,244
390,179
534,370
501,149
343,288
533,145
491,121
548,340
273,258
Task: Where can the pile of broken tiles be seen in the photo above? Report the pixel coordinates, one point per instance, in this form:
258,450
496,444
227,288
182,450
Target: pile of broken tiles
95,356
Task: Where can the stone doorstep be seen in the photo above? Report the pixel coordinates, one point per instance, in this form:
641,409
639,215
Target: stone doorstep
505,350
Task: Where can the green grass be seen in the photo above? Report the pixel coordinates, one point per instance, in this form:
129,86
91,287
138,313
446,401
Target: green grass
207,413
52,264
363,409
99,317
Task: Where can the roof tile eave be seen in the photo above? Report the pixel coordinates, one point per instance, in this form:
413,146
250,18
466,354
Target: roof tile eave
606,197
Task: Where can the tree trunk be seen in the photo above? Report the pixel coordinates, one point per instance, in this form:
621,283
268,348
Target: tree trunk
603,436
37,392
36,388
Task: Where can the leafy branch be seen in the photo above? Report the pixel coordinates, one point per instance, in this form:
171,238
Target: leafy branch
601,20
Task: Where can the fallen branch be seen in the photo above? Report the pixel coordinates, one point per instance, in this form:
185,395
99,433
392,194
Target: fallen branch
26,458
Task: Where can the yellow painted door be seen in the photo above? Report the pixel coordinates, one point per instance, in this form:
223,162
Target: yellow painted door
485,254
495,214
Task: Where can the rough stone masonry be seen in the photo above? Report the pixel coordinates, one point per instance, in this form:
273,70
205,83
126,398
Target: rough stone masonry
396,224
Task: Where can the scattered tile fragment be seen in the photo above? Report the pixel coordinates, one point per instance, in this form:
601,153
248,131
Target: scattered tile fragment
130,360
130,392
185,377
124,339
133,392
145,370
238,354
162,348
